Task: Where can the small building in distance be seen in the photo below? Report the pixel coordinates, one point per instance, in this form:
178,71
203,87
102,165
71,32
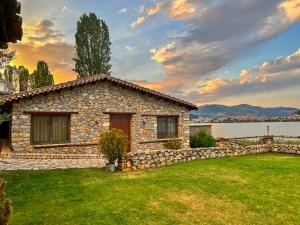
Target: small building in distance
6,88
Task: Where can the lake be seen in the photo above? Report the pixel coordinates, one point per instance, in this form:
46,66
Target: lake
228,130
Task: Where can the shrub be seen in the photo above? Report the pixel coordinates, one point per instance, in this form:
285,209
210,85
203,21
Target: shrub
172,144
5,205
202,139
113,144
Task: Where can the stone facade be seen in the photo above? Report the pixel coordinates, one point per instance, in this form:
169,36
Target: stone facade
152,159
90,102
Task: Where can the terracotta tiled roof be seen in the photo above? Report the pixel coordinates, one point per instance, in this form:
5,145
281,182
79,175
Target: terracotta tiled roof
92,79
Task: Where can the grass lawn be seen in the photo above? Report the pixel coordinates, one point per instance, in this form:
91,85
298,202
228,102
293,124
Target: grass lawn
258,189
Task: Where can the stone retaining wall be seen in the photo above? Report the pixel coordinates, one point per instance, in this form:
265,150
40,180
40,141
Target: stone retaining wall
152,159
80,149
49,156
35,161
136,160
283,148
46,164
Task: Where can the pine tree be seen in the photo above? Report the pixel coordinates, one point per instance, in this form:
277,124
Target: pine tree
41,76
93,53
23,78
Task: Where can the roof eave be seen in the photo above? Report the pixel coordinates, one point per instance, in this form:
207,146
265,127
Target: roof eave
77,83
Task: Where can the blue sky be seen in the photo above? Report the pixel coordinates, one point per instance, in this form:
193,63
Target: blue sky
203,51
284,44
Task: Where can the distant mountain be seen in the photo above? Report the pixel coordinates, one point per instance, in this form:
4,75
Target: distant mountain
214,111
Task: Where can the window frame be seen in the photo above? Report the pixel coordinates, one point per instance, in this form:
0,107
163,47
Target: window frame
51,115
176,126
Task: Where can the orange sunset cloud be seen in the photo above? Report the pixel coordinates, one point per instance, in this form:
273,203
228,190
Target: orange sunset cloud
42,42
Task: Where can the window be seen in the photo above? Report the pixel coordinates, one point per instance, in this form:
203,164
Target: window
167,127
50,129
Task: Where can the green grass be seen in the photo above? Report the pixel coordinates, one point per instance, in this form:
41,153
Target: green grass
257,189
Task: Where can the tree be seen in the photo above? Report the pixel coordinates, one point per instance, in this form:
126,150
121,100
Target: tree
93,53
17,77
11,75
23,78
7,71
41,76
6,56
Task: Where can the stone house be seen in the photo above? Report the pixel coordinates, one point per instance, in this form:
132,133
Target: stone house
69,117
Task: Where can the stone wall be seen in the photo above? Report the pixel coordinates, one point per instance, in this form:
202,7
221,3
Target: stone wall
39,156
152,159
50,163
90,102
135,160
284,148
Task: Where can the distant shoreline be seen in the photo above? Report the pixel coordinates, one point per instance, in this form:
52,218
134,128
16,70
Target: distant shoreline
272,121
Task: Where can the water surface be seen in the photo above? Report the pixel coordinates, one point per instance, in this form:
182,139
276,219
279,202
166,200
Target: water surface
228,130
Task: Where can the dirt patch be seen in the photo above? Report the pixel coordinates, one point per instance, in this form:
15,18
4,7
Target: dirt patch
134,175
188,208
277,158
226,175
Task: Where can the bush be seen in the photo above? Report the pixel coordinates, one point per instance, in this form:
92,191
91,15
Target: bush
5,205
202,139
172,144
113,144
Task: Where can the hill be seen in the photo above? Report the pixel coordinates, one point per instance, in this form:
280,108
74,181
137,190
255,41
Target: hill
213,111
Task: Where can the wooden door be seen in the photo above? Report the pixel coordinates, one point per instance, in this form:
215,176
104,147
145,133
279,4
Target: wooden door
122,122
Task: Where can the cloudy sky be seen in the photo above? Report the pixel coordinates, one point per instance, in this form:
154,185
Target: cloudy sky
203,51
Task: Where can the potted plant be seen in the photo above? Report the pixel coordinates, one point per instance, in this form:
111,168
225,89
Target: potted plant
112,145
